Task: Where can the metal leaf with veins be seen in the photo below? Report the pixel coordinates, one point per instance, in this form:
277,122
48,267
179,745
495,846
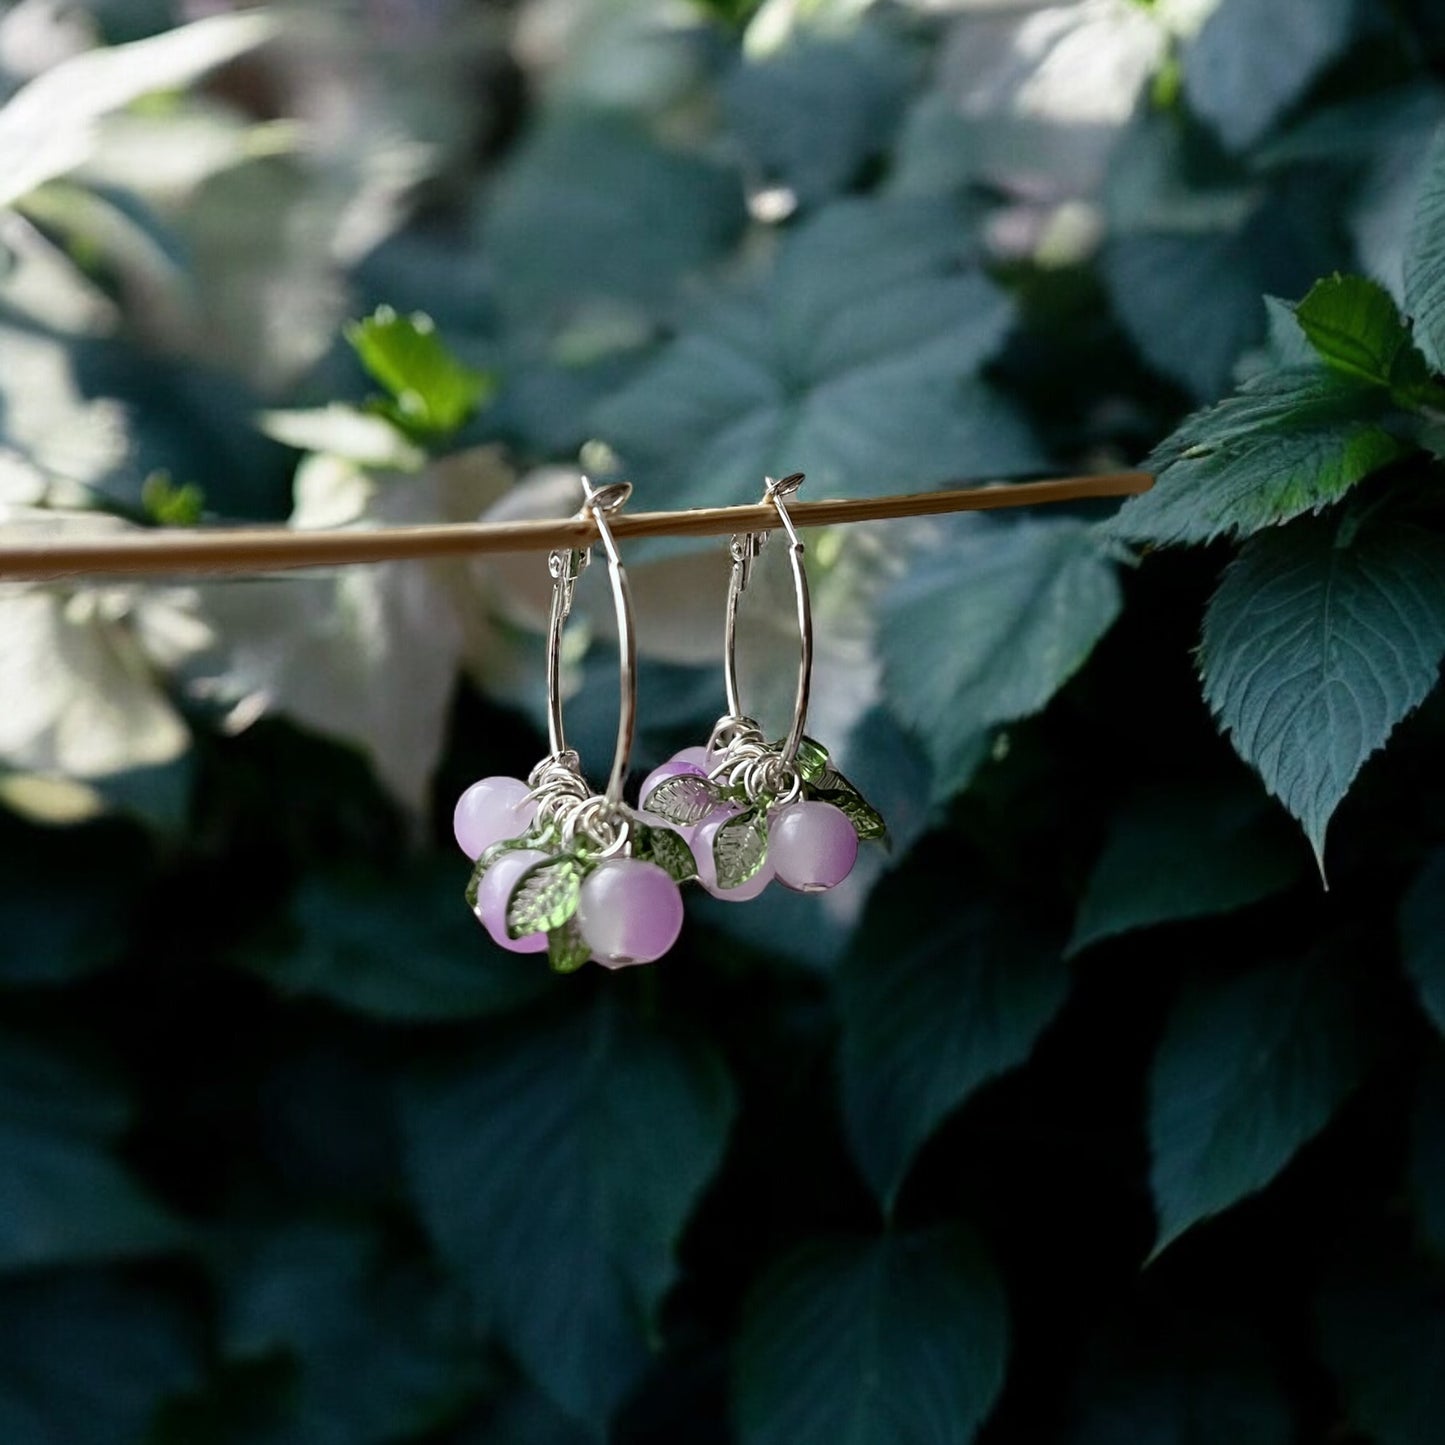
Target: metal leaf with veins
739,849
685,799
567,950
545,897
667,849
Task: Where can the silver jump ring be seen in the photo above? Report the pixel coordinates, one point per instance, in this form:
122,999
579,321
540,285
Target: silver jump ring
745,548
566,566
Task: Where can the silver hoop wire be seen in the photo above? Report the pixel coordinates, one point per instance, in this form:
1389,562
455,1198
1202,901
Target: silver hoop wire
745,547
566,567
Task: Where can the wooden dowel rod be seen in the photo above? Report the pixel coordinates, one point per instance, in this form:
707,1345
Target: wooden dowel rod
186,550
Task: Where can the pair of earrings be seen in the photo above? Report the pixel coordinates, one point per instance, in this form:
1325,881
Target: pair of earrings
581,875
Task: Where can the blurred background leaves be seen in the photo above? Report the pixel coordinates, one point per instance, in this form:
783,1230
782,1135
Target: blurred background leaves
1084,1113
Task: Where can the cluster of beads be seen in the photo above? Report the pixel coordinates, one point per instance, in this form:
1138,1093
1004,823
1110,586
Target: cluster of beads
562,871
557,870
751,816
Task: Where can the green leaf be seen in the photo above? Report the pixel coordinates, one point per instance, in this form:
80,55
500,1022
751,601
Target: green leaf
86,1358
1249,1070
169,505
1356,328
1254,58
894,1341
811,760
620,1128
1313,650
592,208
987,629
1181,853
1288,442
857,356
683,799
740,848
545,897
1382,1335
382,1343
1422,937
48,126
400,945
666,848
937,994
832,787
811,115
1425,257
567,950
434,393
64,1197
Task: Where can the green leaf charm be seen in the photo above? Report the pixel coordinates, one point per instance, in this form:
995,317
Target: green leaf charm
685,799
811,760
485,861
567,950
832,787
740,848
665,848
545,897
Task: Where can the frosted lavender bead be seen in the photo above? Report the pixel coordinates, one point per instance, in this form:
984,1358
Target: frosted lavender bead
702,840
496,888
489,811
672,768
629,912
698,758
812,846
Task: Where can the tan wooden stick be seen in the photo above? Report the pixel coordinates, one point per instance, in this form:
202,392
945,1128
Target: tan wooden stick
237,551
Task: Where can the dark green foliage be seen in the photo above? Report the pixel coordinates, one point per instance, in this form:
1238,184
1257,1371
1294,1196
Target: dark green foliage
1084,1114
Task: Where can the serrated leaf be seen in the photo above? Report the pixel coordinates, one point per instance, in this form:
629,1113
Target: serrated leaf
987,628
1242,82
811,760
567,950
683,799
621,1127
931,1011
545,897
87,1357
860,351
665,848
66,1197
394,945
380,1337
867,821
1288,442
900,1340
433,392
1355,326
740,848
1177,854
1422,937
1248,1071
1313,651
810,115
1425,257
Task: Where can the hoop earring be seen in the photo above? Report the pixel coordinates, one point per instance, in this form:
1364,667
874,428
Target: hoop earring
754,810
559,867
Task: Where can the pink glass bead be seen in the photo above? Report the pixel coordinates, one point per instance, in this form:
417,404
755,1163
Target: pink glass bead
629,912
812,846
489,811
493,893
702,840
